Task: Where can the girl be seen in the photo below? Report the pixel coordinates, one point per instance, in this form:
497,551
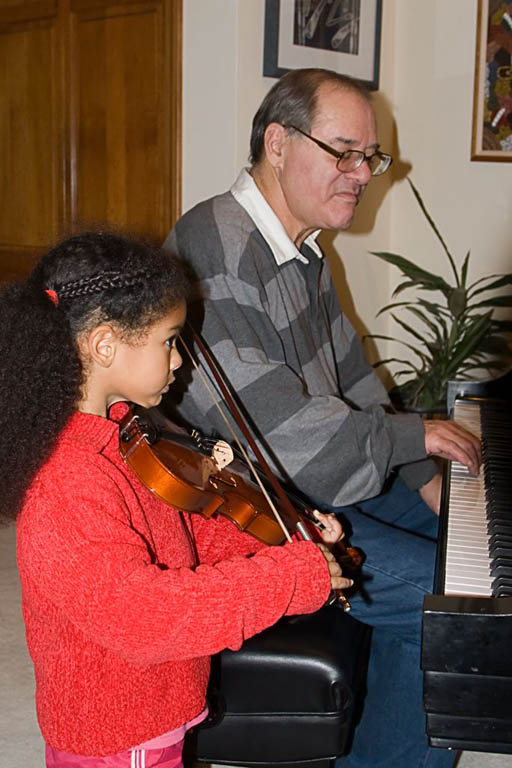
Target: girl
124,597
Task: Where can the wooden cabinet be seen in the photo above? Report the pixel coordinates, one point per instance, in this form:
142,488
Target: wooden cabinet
90,121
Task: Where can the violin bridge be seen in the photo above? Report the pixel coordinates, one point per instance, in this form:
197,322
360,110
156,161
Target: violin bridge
222,454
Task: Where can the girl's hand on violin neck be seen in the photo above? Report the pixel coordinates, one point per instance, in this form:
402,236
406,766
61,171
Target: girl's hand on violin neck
332,531
337,580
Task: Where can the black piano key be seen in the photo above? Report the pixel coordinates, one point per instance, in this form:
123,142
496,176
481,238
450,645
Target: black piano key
502,587
496,482
500,506
497,468
498,511
499,490
498,550
501,533
497,520
495,460
501,567
498,532
501,552
502,570
502,590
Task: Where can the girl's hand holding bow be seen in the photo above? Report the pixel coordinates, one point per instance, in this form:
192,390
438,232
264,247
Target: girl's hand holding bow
332,531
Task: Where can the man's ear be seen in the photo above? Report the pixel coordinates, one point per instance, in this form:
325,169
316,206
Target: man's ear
100,345
275,139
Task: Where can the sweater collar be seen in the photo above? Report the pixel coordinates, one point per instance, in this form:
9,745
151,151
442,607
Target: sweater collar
95,431
247,194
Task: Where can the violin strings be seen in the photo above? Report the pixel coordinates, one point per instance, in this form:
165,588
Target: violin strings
241,448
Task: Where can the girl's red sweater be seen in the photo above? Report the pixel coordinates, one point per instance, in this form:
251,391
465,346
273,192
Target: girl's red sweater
125,598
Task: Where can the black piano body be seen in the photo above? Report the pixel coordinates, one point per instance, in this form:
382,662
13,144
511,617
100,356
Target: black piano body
467,639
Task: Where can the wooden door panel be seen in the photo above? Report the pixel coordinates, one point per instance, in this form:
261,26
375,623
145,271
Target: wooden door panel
31,159
119,121
90,121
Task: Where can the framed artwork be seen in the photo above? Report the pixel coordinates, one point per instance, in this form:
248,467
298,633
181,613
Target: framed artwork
492,105
342,35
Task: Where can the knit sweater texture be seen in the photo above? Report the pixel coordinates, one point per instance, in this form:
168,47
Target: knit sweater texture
293,359
125,598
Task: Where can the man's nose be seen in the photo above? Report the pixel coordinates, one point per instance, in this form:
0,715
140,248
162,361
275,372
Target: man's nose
363,173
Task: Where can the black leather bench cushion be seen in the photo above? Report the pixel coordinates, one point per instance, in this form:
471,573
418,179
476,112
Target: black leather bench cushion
288,695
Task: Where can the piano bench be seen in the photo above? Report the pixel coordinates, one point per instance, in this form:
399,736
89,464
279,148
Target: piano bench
289,696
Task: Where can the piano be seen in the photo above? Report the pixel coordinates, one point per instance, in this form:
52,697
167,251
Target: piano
467,621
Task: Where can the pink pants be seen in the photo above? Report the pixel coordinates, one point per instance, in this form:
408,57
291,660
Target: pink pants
169,757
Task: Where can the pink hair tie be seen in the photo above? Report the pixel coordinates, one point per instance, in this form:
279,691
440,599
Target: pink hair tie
52,295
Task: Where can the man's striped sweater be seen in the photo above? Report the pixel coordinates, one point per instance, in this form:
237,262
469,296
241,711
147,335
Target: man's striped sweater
271,317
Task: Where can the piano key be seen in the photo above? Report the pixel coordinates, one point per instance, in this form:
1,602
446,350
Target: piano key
467,566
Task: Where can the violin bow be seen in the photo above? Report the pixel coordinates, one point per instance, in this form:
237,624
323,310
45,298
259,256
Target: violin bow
238,418
293,515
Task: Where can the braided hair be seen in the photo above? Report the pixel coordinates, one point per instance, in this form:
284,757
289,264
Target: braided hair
84,281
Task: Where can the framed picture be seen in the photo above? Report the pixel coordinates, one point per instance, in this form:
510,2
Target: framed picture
492,105
342,35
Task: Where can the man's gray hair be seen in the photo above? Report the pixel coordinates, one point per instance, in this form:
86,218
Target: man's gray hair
293,100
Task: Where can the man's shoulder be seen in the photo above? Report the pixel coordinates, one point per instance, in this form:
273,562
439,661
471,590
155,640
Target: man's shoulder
214,235
221,212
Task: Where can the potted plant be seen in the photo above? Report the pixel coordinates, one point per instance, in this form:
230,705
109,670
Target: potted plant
458,334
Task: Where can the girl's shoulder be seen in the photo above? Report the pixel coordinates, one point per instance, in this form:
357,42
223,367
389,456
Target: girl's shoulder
85,456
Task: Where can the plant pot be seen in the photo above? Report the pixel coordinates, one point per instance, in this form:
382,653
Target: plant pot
396,396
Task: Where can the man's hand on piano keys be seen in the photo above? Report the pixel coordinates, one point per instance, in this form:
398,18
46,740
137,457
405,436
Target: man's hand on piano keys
451,441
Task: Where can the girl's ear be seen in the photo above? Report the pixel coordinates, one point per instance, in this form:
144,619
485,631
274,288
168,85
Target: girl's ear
100,345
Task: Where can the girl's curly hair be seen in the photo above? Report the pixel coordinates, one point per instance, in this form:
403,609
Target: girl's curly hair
97,277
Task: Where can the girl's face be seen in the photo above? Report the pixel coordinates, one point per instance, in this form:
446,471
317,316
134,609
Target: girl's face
144,370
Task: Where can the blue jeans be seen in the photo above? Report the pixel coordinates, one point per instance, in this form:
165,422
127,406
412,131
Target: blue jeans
397,532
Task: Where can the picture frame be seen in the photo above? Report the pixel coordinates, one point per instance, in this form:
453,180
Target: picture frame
342,35
491,138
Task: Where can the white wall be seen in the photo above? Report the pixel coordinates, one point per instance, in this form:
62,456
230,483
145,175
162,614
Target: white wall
424,109
210,99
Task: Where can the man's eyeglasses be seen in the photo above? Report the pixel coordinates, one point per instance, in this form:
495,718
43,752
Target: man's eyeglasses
351,159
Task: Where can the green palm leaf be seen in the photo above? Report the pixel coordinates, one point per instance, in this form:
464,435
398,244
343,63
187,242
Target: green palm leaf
501,282
470,341
418,276
392,306
464,270
432,224
425,319
496,301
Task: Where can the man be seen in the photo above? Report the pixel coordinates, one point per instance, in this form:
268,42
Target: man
268,310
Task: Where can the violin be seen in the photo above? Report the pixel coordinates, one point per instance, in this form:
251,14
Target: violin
193,478
188,478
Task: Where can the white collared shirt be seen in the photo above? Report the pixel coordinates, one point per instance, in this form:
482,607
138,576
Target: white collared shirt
247,194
